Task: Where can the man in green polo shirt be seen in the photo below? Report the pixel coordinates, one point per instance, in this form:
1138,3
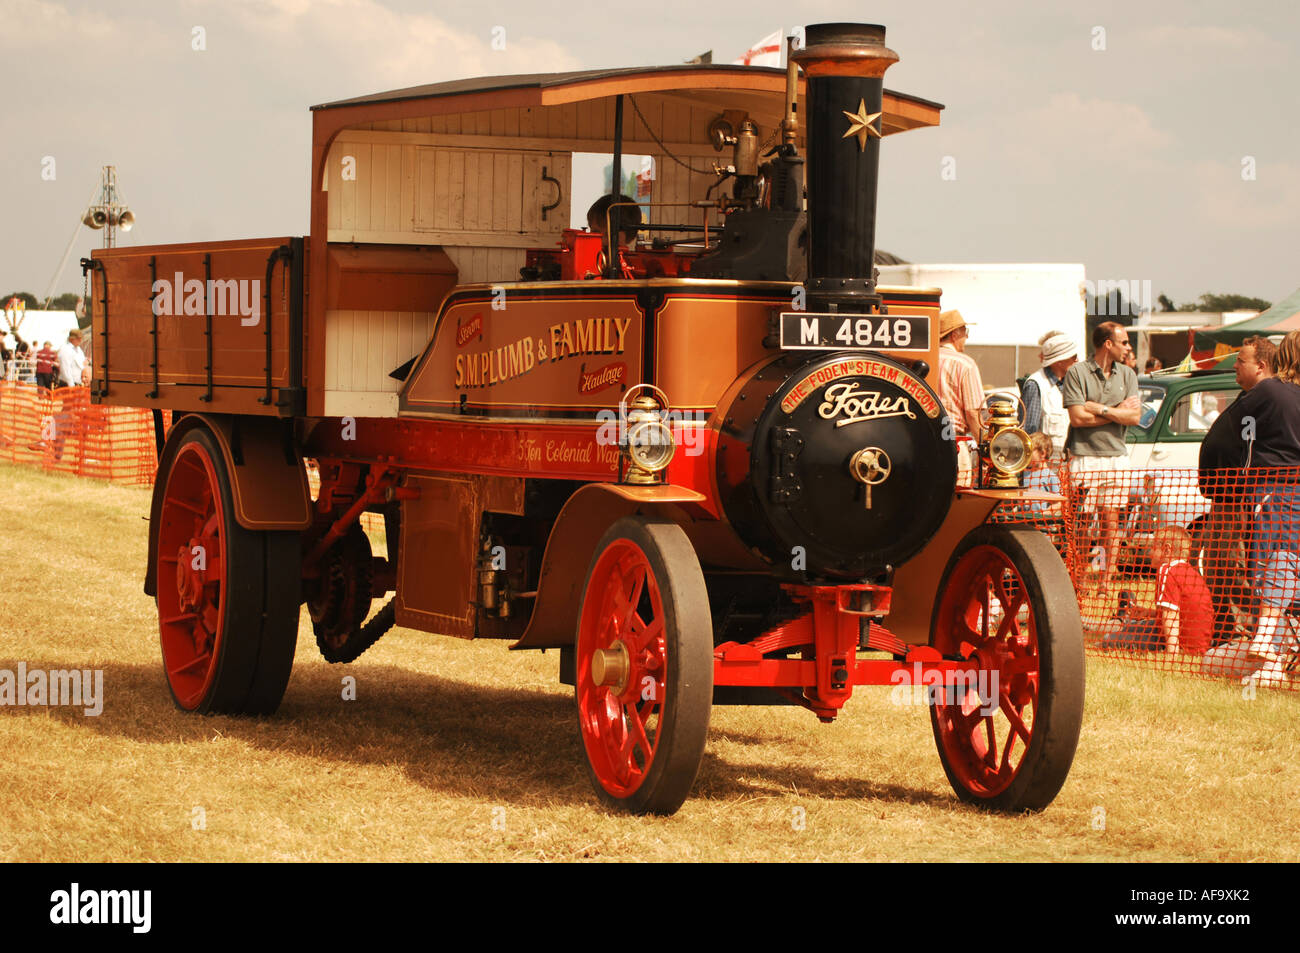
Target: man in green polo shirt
1101,397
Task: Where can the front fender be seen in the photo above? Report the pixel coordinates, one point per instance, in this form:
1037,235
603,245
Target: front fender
582,521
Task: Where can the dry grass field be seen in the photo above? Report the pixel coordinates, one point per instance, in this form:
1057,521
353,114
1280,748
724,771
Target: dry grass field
464,751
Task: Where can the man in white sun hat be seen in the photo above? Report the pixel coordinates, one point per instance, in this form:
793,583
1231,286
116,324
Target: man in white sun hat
1042,391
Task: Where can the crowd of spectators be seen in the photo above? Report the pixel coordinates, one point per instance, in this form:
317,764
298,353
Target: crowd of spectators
17,365
46,367
1079,411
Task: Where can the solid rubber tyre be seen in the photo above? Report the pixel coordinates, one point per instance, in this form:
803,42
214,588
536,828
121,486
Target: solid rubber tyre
228,597
1006,602
644,740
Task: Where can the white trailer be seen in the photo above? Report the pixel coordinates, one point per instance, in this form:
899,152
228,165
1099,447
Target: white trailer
1009,307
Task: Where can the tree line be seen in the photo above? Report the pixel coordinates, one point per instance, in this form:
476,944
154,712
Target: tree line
1214,302
1113,306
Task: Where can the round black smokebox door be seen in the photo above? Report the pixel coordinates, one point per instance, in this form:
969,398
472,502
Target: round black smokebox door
803,456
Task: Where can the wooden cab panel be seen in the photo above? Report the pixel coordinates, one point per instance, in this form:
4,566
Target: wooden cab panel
381,303
410,188
546,350
707,333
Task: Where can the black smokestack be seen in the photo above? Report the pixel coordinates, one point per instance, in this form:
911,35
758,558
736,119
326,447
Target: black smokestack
844,64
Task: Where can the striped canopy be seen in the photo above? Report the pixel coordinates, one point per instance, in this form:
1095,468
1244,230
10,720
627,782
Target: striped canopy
1279,319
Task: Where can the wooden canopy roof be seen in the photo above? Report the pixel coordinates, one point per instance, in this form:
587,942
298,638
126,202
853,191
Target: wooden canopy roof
758,89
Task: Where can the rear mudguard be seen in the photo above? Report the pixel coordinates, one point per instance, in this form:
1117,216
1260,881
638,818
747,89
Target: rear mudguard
268,479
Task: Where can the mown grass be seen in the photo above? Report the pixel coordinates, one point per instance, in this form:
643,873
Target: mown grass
465,751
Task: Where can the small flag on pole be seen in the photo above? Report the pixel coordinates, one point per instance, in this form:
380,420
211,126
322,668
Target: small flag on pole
766,52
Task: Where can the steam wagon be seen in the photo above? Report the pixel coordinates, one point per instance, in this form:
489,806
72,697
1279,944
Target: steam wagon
695,448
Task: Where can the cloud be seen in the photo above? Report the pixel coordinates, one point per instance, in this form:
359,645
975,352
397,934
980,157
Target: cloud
1221,43
38,22
1065,137
1227,201
1080,129
364,46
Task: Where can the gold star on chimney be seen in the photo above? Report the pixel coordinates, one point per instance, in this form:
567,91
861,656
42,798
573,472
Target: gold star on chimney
860,125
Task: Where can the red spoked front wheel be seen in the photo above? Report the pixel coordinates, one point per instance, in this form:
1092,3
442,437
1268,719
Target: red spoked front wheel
1007,737
227,596
644,658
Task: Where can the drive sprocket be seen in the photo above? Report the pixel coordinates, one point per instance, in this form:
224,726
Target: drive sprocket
342,599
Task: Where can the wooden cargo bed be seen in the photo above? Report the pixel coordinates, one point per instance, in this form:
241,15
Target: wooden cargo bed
212,326
229,331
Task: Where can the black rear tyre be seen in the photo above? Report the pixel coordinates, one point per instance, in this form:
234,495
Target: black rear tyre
227,597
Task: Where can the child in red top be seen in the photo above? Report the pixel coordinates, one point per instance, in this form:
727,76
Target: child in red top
1182,618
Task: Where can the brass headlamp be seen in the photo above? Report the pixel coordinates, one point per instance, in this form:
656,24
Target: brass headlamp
1005,447
646,441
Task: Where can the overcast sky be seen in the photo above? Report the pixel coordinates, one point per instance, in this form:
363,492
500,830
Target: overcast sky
1133,159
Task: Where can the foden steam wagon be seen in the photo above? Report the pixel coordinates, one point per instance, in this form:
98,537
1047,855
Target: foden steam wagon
694,448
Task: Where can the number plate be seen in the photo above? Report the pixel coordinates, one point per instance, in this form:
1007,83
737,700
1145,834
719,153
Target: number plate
807,331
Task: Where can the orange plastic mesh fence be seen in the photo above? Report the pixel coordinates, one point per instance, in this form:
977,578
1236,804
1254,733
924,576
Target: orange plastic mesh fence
61,431
1191,572
1047,517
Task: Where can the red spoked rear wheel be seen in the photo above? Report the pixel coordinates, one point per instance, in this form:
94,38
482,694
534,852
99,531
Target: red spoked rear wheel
227,597
1006,606
644,667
